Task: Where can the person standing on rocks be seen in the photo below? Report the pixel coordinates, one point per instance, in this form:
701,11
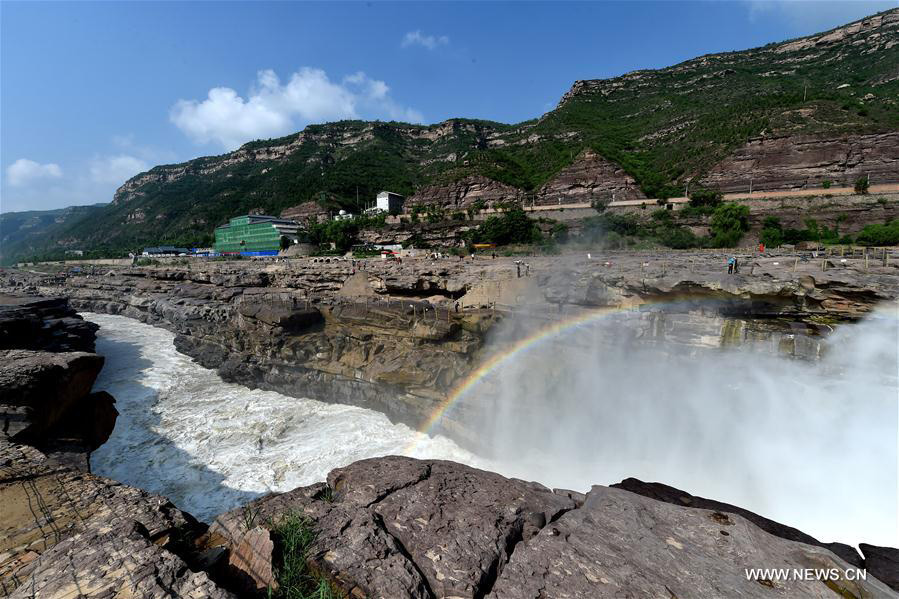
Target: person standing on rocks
518,268
736,265
730,265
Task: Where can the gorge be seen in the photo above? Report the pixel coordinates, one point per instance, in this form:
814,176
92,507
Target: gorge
731,387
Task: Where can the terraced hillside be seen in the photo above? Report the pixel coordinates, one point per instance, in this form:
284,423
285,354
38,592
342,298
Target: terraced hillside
787,115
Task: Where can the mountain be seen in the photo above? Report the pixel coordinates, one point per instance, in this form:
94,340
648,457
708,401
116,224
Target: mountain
787,115
30,232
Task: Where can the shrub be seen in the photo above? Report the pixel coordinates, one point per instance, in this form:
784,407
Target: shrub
600,205
475,208
772,233
885,234
284,243
512,226
706,197
826,184
678,238
690,211
861,185
729,222
560,232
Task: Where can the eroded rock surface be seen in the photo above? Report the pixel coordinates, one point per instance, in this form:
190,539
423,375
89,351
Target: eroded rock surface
397,527
619,544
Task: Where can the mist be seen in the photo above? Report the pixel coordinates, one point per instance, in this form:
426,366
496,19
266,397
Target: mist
811,444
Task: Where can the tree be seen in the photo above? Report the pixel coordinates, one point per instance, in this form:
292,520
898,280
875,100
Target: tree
600,204
285,242
512,226
729,222
886,234
772,234
706,197
861,185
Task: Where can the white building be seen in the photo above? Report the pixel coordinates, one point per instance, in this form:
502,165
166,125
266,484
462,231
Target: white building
389,202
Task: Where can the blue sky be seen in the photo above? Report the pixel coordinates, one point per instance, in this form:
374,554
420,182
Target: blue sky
93,93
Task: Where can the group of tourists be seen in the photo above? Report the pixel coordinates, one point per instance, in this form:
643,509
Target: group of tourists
733,266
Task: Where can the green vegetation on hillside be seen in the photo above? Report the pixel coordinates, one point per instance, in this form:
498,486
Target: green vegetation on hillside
886,234
511,226
665,128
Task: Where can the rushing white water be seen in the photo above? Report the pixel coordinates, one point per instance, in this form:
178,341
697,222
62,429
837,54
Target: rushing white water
813,446
209,445
810,444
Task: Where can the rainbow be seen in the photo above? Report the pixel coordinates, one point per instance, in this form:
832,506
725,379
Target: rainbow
502,357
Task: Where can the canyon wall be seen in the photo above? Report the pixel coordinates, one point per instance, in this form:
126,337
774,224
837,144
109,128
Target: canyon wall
799,162
390,527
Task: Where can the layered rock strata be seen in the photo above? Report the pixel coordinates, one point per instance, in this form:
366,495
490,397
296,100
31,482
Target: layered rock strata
391,338
797,162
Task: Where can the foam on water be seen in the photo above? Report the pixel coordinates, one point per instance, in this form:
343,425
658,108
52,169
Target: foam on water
209,445
811,445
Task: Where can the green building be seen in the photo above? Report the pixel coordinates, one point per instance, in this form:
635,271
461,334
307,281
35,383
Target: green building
255,235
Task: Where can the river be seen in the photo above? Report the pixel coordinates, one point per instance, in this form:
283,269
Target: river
210,446
811,445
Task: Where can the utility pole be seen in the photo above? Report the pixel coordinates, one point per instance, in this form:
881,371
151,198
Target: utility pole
805,92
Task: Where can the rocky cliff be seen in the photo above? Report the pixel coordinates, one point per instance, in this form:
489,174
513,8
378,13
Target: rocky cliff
389,527
402,528
399,338
797,162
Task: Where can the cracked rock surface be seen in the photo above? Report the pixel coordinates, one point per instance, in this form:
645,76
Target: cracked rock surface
398,527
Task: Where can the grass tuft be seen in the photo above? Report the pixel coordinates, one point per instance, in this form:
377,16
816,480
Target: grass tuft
296,580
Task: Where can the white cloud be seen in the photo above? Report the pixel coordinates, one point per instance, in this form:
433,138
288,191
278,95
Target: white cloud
272,108
116,169
812,16
88,180
417,38
24,171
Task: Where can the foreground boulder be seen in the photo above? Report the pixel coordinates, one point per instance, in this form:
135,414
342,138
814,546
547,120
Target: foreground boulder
668,494
398,527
